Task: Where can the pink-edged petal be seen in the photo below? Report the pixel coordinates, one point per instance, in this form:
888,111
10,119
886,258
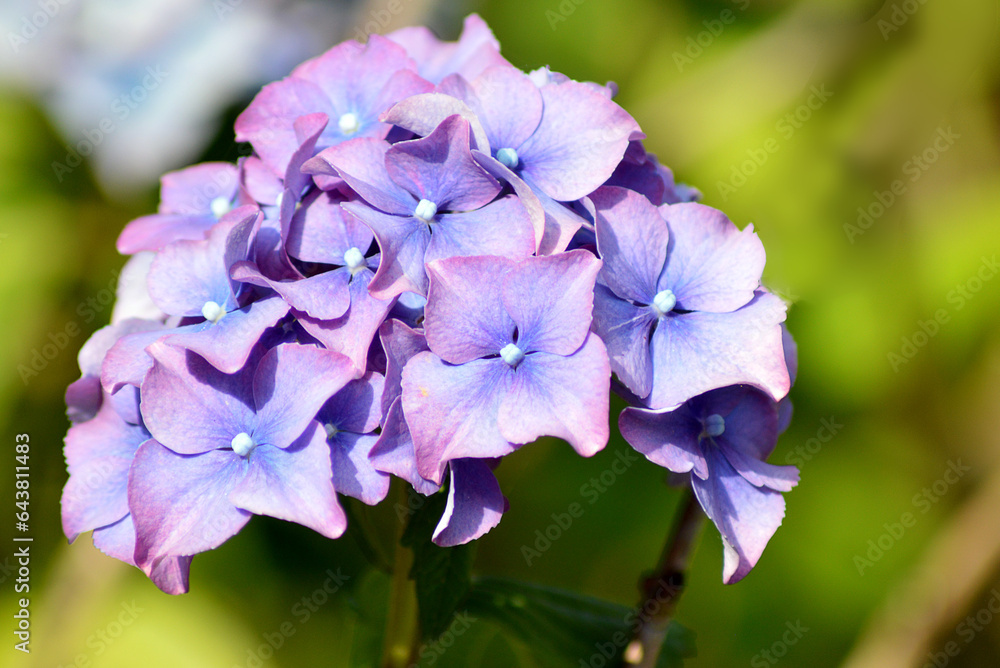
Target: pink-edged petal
353,471
117,540
293,484
697,352
509,106
551,299
625,328
307,129
561,223
180,504
400,343
440,168
402,241
713,266
632,240
290,385
260,182
127,362
191,407
475,50
132,298
171,575
153,232
452,411
227,343
352,333
579,142
361,163
421,114
464,319
191,191
565,397
394,451
324,296
321,231
475,503
745,515
667,438
525,195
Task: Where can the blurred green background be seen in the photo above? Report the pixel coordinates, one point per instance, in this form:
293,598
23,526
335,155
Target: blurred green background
798,116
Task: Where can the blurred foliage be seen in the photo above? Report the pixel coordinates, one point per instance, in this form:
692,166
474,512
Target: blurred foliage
710,111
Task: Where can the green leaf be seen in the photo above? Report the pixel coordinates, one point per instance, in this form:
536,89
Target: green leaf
564,626
441,574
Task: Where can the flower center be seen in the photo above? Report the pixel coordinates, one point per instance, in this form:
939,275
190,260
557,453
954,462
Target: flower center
511,354
715,425
349,124
243,444
354,260
220,206
426,210
212,312
331,431
664,302
508,158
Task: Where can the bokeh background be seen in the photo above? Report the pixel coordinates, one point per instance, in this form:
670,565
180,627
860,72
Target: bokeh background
861,138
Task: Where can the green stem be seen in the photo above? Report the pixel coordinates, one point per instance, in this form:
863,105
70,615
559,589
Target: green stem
401,621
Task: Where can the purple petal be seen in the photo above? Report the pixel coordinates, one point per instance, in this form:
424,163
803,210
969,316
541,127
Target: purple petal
509,106
117,540
180,504
475,503
761,474
321,231
127,362
394,451
745,515
191,407
421,114
697,352
361,163
153,232
750,419
667,438
551,299
352,333
452,411
560,224
227,343
552,395
440,168
525,195
624,328
713,266
293,484
402,241
260,182
357,407
191,191
501,228
579,142
325,296
400,343
475,50
632,240
463,319
353,472
290,385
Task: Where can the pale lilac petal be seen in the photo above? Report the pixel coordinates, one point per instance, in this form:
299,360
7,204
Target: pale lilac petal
117,540
625,328
352,333
551,299
632,240
361,163
475,50
475,503
552,395
325,296
465,319
394,451
697,352
171,575
667,438
321,231
127,362
293,484
421,114
153,232
402,241
452,411
180,504
712,266
579,142
758,473
191,191
132,298
745,515
290,385
509,106
260,182
307,129
227,343
353,471
440,168
501,228
525,195
560,223
191,407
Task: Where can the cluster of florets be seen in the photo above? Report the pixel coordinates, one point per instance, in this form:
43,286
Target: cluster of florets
430,260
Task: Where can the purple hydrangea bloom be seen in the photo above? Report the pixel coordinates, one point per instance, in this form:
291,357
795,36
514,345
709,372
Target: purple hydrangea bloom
506,365
352,84
427,199
722,438
192,200
228,446
678,303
